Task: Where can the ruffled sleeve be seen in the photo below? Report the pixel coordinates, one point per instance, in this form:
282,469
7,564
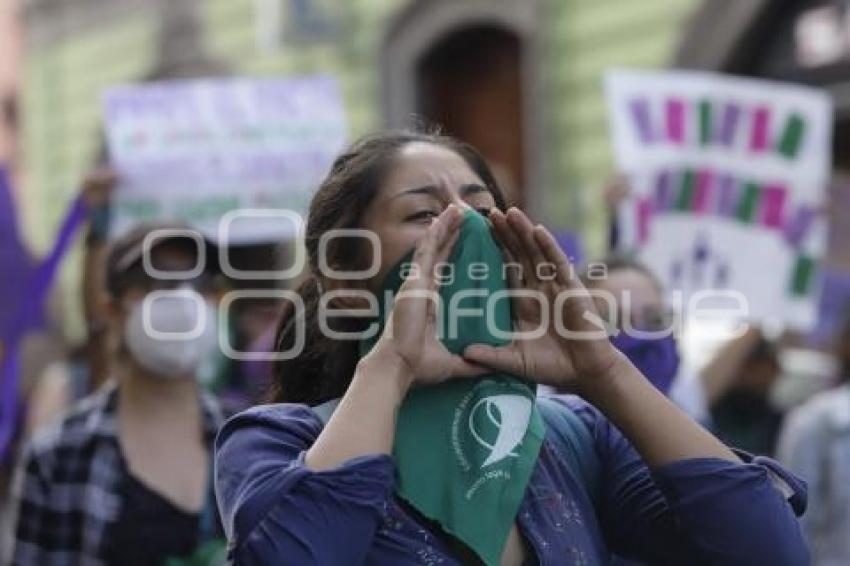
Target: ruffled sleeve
275,510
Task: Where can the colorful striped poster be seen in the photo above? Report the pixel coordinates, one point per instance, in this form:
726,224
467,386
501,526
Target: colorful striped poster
728,180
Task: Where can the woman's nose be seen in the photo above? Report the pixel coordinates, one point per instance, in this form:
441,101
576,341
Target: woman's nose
458,201
450,189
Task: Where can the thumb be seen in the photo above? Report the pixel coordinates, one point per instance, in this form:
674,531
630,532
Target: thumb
506,359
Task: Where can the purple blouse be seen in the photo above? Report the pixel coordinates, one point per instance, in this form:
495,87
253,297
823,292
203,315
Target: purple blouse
277,511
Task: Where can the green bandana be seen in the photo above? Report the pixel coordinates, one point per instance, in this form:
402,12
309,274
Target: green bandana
465,449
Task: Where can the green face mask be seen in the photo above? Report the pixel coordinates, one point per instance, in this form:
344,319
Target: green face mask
465,449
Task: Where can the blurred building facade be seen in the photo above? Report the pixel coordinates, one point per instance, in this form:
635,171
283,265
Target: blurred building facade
520,79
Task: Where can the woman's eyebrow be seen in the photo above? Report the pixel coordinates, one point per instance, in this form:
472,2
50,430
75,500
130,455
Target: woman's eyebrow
429,190
437,191
471,189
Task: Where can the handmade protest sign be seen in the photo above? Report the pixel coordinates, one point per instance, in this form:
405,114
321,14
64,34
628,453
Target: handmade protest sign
198,150
728,180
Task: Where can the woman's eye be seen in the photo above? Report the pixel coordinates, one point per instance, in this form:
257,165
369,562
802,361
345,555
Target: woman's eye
484,211
423,215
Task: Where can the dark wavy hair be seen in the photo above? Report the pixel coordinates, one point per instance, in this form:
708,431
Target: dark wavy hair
324,368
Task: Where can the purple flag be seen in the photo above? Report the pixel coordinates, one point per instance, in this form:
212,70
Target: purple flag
27,306
16,265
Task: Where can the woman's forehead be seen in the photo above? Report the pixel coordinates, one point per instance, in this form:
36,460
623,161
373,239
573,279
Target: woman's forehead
420,164
640,288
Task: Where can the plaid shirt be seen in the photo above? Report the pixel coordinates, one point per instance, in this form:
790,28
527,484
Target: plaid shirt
68,484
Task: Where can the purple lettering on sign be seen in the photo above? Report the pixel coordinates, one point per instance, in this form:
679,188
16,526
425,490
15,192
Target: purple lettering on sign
729,124
639,108
704,188
728,196
798,226
759,132
663,191
772,212
676,120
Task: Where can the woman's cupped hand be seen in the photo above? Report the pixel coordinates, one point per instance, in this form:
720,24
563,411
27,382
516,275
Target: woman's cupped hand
410,339
560,338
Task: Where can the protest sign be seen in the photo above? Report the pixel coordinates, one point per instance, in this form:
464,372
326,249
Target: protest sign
198,150
728,180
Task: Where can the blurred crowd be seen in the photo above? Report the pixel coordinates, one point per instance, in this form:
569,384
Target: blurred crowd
149,446
125,421
107,440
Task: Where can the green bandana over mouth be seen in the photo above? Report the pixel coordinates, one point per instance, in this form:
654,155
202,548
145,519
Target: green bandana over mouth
465,449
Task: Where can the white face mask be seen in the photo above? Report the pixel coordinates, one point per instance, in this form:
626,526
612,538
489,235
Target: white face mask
165,336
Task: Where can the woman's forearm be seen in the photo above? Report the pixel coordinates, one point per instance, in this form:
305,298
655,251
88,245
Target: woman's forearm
364,422
661,432
721,372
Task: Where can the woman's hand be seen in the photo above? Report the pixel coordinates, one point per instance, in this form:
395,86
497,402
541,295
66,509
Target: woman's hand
98,186
574,351
409,338
588,365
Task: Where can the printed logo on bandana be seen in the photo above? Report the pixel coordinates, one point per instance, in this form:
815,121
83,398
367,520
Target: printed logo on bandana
489,425
508,416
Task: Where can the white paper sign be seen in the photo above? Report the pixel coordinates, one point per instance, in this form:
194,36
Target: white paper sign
198,150
729,179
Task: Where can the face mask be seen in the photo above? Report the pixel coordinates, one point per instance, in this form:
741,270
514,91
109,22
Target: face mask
173,343
656,358
465,449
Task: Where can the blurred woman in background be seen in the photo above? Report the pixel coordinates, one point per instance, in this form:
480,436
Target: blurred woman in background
815,443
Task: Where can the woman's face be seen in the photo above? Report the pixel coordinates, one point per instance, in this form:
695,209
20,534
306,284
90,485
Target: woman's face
424,180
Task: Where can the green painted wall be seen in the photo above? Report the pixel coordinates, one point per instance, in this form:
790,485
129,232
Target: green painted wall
61,120
582,38
586,38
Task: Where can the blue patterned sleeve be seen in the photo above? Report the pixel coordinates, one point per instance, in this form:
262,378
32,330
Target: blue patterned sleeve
694,511
275,510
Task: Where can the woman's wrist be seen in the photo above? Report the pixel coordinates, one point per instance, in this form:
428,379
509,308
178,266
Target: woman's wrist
384,364
603,389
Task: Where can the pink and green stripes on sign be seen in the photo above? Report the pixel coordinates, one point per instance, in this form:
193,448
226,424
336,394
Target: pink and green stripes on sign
704,191
802,276
718,123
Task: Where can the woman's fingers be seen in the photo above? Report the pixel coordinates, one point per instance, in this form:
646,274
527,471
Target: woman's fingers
524,231
581,310
503,232
506,235
506,359
443,255
417,296
554,255
426,254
